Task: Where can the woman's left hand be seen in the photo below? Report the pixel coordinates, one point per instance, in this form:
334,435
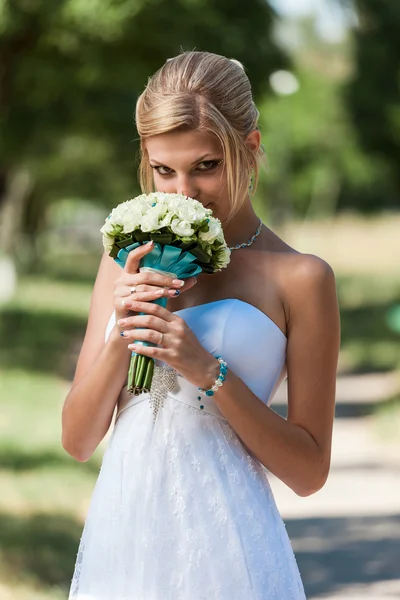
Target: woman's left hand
177,345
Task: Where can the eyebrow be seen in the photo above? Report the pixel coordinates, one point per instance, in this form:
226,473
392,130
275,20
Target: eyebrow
193,163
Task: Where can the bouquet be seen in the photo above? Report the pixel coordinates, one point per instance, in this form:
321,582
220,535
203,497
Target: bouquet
187,239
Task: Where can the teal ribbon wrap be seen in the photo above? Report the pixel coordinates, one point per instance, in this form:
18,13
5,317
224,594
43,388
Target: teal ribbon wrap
164,258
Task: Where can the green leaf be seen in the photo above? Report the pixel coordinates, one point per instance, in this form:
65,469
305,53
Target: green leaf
124,243
202,256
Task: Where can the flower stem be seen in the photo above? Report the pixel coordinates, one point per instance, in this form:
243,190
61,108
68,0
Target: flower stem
141,371
132,372
149,375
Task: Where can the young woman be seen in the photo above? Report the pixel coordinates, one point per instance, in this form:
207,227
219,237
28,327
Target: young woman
182,509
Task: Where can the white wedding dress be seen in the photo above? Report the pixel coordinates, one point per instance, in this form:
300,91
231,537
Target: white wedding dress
181,510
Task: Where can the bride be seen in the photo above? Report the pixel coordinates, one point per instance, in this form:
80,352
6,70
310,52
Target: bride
182,508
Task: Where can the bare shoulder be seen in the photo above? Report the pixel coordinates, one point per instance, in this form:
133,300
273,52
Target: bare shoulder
308,286
298,276
309,292
306,271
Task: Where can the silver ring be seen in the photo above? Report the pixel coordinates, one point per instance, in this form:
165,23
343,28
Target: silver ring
132,289
161,339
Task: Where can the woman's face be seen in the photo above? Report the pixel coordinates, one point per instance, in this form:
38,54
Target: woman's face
190,163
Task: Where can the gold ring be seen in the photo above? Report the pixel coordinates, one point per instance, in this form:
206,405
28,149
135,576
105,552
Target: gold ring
161,339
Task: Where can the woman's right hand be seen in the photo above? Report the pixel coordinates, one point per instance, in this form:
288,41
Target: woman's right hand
148,285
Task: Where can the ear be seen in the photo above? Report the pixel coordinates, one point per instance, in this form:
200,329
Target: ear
253,141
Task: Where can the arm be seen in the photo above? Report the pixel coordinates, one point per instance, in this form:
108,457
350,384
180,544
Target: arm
296,450
100,373
102,368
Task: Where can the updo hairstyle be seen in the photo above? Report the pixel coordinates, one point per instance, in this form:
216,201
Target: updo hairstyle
206,92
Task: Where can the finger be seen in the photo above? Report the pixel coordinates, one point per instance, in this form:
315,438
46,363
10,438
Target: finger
151,351
143,335
189,283
128,324
149,308
136,255
149,293
149,279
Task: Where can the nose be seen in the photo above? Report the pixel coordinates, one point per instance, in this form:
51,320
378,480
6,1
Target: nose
187,187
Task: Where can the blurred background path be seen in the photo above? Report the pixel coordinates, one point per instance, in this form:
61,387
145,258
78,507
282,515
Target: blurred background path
346,537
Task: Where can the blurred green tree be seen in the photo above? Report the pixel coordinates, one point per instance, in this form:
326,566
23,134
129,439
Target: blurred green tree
373,93
70,75
317,166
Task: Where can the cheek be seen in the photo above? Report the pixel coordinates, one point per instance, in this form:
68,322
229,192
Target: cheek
164,185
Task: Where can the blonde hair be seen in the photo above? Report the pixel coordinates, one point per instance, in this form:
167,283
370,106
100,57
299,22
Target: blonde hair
208,92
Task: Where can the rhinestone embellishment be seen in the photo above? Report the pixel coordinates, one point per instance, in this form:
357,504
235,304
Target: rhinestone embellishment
164,381
251,240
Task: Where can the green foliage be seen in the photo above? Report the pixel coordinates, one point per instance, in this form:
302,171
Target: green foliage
316,166
369,340
373,92
73,71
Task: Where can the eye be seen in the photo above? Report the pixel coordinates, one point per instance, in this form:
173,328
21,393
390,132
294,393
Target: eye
157,168
208,165
205,165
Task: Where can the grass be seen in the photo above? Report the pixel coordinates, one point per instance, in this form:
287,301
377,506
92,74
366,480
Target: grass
45,493
40,294
44,325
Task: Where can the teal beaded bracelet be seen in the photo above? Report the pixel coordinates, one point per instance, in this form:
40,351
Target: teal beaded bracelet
223,368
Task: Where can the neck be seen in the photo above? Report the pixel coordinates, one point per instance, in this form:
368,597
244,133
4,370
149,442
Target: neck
242,226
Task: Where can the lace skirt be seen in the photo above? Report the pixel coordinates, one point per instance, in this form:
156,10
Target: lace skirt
182,511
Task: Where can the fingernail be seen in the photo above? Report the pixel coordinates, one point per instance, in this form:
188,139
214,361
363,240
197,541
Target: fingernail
195,279
176,293
178,282
122,333
150,243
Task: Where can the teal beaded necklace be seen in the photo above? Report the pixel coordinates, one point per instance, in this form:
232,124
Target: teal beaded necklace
250,242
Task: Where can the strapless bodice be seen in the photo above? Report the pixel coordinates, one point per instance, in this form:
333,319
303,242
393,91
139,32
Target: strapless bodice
251,343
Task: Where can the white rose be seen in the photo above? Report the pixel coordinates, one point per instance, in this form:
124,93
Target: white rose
187,212
222,258
132,220
108,242
146,203
220,236
160,197
151,220
166,221
174,202
214,230
117,213
202,212
108,227
181,228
